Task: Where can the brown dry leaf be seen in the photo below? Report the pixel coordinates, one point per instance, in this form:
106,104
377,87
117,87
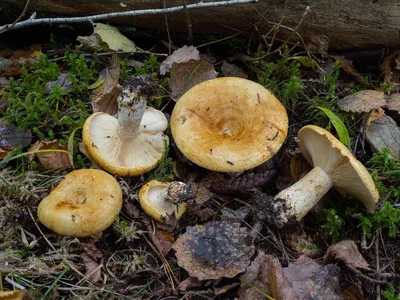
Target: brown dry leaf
347,252
303,244
233,70
11,65
265,273
313,280
363,101
11,137
189,283
384,133
318,43
3,153
91,250
93,272
51,160
214,250
347,66
180,55
163,241
204,214
12,295
104,97
188,74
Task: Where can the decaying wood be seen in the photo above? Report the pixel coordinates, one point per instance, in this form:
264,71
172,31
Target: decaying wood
345,24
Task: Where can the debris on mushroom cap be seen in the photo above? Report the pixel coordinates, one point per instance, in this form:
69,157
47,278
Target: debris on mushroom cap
214,250
134,143
218,123
333,166
160,202
85,202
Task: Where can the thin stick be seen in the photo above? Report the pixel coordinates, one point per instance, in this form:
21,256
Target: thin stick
111,53
189,23
167,27
131,13
378,284
359,273
20,16
270,45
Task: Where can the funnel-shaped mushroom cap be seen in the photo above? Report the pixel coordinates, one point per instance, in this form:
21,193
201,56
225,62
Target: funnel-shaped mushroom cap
322,149
229,124
85,202
126,154
153,200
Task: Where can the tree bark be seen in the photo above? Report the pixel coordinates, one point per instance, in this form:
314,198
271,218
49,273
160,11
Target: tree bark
344,24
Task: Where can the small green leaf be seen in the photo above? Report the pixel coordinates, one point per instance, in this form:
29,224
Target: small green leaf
305,61
338,124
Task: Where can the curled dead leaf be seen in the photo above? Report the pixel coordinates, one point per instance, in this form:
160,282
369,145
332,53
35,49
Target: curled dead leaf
51,160
180,55
347,67
163,241
104,97
363,101
187,74
214,250
347,252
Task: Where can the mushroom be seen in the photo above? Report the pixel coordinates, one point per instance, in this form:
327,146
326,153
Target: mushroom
333,166
163,199
84,203
229,124
133,143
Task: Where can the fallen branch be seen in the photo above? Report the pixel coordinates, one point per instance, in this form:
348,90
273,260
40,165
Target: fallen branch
32,21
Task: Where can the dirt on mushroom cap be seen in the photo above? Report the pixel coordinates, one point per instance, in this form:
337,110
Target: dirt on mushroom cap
84,203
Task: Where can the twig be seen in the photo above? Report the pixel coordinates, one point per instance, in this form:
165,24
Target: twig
131,13
378,286
276,29
167,28
20,16
111,53
359,273
188,22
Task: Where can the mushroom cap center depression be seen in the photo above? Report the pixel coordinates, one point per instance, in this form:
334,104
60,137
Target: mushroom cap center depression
229,124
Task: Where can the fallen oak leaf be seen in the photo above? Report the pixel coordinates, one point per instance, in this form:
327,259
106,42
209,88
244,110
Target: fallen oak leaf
347,252
50,159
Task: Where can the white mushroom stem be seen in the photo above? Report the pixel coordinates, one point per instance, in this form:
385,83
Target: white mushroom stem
130,113
297,200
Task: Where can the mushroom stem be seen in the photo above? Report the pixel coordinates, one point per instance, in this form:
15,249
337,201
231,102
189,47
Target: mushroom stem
130,113
297,200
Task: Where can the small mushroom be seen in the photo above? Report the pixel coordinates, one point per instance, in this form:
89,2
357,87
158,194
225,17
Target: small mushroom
85,203
163,199
229,124
131,144
333,166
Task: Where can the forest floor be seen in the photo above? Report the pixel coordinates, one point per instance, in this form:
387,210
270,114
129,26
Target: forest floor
51,83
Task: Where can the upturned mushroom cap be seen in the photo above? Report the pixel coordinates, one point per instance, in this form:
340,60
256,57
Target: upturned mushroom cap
152,197
348,175
85,202
126,156
229,124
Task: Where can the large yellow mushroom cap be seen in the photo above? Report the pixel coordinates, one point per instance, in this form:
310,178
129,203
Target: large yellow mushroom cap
85,203
229,124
